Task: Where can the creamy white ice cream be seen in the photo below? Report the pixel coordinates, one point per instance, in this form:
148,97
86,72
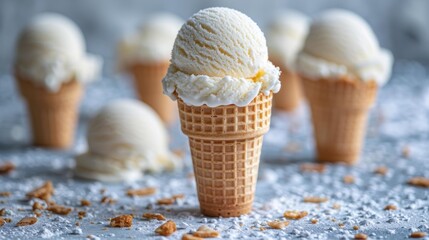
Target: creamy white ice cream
51,50
220,57
341,43
286,34
125,139
152,43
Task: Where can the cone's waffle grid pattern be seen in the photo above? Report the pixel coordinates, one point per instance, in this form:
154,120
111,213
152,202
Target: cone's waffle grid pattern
226,145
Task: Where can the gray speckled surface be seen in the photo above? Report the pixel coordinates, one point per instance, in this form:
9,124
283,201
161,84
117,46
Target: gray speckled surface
400,119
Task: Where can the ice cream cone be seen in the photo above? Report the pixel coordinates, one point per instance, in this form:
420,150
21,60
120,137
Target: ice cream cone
53,115
226,145
339,110
290,96
148,82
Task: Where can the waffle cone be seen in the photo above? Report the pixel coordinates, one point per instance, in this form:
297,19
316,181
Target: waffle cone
53,116
339,110
148,82
225,144
290,95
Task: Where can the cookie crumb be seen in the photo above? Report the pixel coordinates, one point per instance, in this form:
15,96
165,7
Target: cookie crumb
418,235
166,229
336,206
313,167
156,216
26,221
81,214
390,207
381,170
141,192
419,182
278,224
191,237
108,200
37,206
6,168
206,232
349,179
58,209
169,201
5,194
3,212
122,221
295,215
355,227
2,221
406,151
315,199
361,236
43,192
314,221
85,203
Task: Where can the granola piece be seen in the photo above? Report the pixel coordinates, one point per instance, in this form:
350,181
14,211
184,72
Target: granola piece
419,182
2,221
85,203
191,237
349,179
166,229
58,209
6,168
122,221
141,192
37,206
418,235
315,199
5,194
381,170
276,224
295,215
313,167
361,236
206,232
314,221
43,192
26,221
390,207
156,216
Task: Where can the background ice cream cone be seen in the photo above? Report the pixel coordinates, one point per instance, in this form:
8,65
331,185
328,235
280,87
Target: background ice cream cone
290,96
226,145
339,111
53,115
148,82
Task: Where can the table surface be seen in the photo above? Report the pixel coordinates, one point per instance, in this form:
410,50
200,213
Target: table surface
400,120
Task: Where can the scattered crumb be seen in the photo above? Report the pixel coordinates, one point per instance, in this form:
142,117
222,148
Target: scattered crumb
341,225
141,191
262,229
26,221
390,207
381,170
313,167
315,199
169,201
292,147
278,224
406,152
85,203
3,212
191,237
122,221
166,229
179,152
419,182
314,221
349,179
2,221
81,214
206,232
43,192
6,168
102,191
5,194
38,213
8,220
336,206
37,206
108,200
156,216
58,209
361,236
355,227
418,235
295,215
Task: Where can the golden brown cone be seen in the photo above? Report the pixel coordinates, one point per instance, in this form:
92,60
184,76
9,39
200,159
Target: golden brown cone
339,110
225,146
148,83
290,95
53,115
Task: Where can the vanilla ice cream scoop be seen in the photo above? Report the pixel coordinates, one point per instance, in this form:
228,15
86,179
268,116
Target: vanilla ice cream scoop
286,35
342,43
153,41
51,50
125,139
220,57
